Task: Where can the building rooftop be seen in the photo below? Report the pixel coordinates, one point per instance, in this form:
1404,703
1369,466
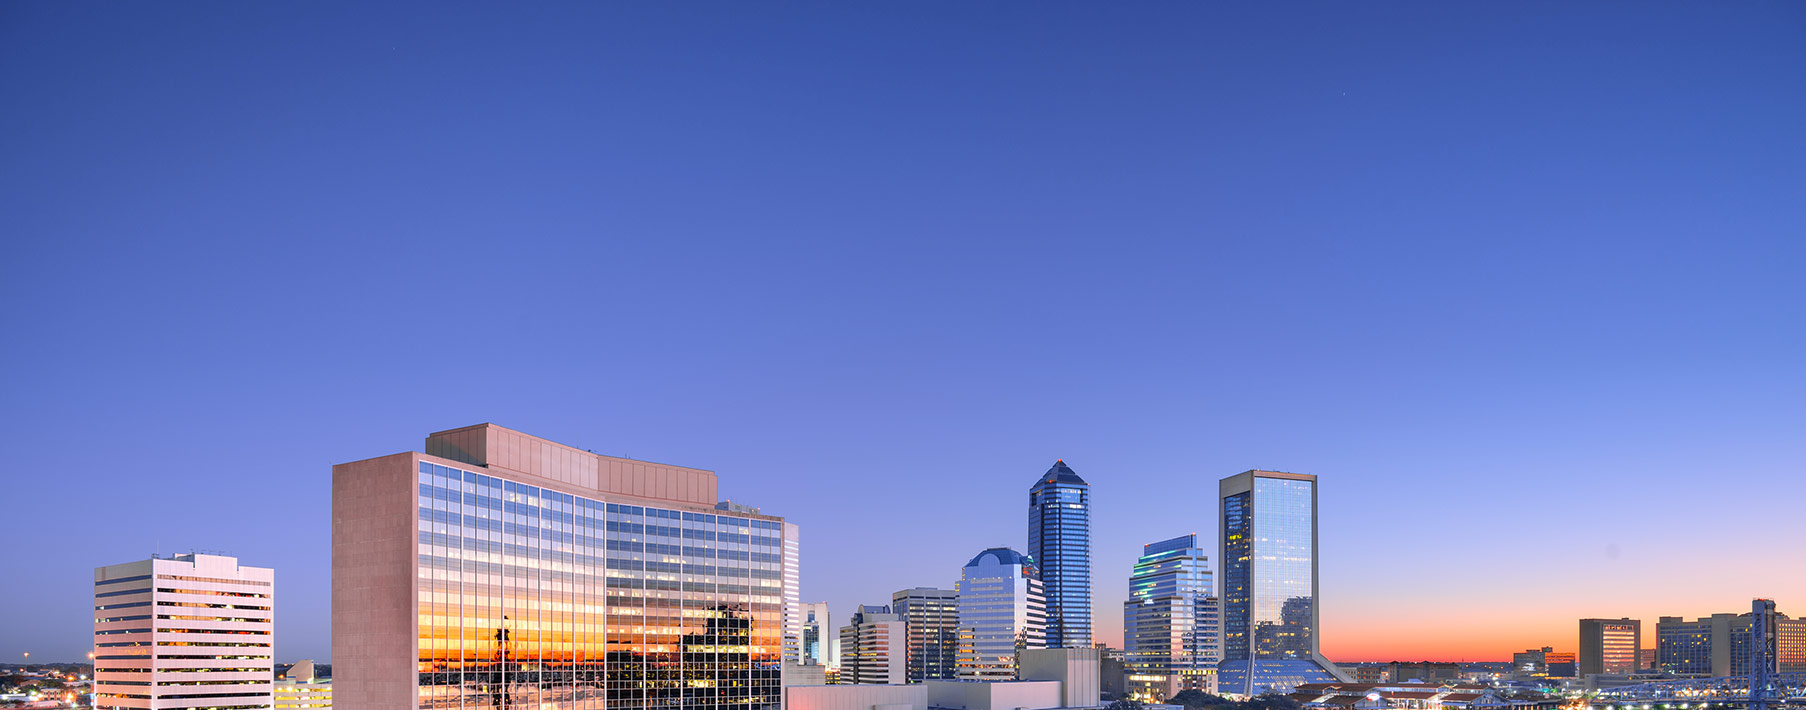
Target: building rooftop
1061,473
1004,556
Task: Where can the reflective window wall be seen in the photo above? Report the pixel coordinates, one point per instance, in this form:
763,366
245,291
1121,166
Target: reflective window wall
533,598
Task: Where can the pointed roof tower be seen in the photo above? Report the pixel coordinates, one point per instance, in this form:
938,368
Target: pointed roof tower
1061,473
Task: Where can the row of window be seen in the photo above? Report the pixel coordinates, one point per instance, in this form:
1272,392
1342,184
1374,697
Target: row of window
455,480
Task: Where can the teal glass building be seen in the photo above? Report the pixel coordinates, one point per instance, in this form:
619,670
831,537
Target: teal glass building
1059,538
1268,545
1171,621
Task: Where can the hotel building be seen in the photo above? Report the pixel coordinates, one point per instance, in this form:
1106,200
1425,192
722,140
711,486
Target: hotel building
1609,646
1268,545
1171,622
931,619
1001,613
190,631
1719,645
500,570
1059,540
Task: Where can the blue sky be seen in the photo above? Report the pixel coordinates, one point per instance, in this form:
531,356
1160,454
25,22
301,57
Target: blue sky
1520,282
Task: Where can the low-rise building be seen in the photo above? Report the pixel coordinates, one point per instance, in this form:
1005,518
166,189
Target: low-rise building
300,688
1076,669
931,695
1415,696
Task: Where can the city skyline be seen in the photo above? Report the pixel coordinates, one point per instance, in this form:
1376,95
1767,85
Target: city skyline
1511,283
1567,643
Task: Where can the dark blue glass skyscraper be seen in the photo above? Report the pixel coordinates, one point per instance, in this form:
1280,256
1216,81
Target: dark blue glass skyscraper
1059,537
1269,553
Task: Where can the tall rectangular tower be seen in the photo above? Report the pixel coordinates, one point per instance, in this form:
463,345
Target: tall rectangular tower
1268,545
186,631
500,570
1059,540
931,619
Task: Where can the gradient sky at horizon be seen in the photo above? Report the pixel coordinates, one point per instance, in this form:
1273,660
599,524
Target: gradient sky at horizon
1520,282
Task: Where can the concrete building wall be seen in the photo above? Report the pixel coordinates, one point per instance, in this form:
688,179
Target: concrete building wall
999,695
796,674
580,472
856,697
373,568
1077,669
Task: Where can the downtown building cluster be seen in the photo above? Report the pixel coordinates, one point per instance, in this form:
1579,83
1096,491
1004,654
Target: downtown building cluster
1259,636
494,569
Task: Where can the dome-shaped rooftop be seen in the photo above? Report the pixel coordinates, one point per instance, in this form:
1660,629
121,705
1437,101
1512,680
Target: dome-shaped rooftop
1061,473
1004,556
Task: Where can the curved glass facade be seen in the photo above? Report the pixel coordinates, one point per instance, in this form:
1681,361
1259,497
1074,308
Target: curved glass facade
532,598
1059,539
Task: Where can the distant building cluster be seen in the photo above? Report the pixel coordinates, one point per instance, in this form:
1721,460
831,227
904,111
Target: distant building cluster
498,570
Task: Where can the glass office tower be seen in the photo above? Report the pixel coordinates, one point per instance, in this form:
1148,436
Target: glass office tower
1171,622
1059,538
1268,544
1001,612
499,571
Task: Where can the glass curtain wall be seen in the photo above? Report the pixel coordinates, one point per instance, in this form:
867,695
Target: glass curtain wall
533,598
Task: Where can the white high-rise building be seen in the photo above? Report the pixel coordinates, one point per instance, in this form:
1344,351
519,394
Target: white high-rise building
1001,612
793,601
875,647
189,631
816,634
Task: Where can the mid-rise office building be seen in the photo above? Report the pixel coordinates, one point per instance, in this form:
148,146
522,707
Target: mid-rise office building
1268,546
188,631
1171,623
1532,662
1562,664
931,620
1609,646
873,647
1001,612
1059,540
1719,645
817,628
501,570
